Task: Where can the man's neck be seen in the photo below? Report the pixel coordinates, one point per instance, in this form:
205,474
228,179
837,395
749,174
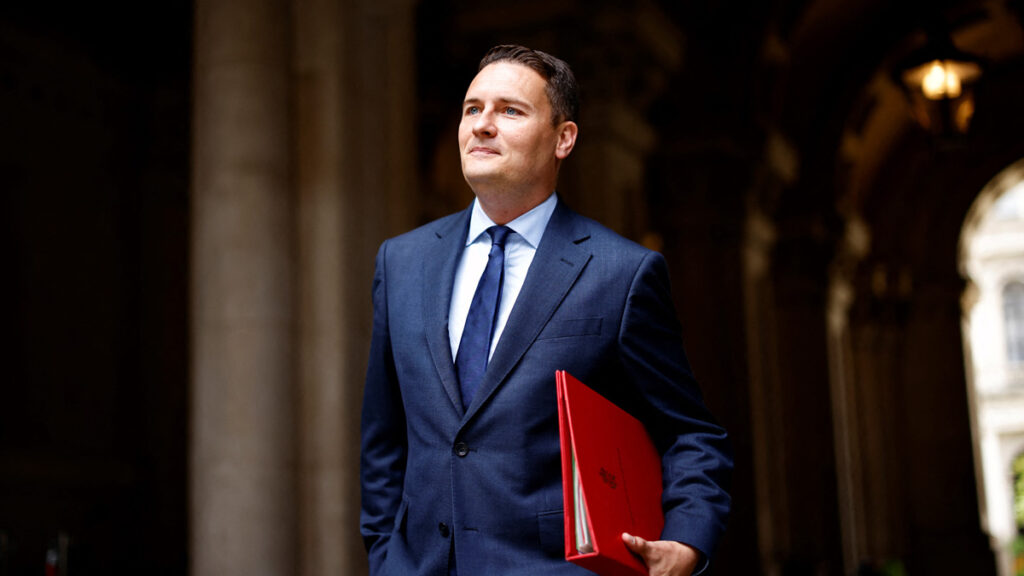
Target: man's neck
502,208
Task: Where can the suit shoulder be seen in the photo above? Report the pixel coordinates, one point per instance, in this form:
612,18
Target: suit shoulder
604,238
439,228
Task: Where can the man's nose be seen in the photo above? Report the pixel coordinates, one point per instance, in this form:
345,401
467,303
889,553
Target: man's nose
483,124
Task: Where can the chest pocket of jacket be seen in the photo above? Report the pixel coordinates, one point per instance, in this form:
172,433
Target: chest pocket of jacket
574,327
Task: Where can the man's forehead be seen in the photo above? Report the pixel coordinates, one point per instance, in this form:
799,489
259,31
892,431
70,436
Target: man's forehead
508,81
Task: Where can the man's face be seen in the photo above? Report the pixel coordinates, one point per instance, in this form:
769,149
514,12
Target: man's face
507,139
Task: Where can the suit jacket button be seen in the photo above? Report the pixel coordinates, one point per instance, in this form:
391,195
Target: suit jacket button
442,528
461,449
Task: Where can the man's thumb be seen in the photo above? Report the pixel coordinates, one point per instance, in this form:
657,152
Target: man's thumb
634,543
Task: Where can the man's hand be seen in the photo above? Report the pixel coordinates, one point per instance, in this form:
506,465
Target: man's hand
663,557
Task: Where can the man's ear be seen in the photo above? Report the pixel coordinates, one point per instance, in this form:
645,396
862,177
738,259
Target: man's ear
566,139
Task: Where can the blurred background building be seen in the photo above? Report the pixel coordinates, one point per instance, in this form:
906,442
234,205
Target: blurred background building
193,194
993,259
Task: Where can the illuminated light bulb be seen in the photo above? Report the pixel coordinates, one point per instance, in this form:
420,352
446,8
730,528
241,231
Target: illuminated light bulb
940,82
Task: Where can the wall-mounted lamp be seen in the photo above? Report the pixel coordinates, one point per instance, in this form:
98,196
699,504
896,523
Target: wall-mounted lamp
939,81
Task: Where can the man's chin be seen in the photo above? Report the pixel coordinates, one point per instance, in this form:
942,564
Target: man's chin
481,178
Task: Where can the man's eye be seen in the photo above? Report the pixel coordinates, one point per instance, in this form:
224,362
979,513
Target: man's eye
511,111
472,110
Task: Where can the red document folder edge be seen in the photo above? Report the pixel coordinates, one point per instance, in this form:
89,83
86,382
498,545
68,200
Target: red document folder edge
619,473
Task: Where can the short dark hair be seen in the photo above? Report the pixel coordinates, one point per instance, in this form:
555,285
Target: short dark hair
562,90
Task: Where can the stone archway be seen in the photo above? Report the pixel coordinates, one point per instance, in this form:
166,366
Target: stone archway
992,259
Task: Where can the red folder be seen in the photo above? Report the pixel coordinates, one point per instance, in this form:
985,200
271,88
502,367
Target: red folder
611,480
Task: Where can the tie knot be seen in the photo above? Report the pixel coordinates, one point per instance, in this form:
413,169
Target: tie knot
498,235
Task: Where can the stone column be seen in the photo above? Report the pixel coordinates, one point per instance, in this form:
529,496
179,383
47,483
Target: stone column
327,484
877,397
794,458
847,416
765,398
941,508
242,447
805,437
354,145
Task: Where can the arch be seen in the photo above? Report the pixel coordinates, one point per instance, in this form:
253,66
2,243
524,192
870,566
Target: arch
992,260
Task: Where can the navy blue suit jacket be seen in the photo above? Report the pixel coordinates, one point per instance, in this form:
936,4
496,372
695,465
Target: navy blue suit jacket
489,476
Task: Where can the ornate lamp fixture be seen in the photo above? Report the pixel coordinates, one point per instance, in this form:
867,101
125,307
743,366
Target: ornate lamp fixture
939,81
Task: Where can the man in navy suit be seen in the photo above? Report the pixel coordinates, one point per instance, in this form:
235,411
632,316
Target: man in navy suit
465,478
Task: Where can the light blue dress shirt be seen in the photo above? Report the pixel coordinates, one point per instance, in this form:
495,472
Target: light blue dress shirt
519,251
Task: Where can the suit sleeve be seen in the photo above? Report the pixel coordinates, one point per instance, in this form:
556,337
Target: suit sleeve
696,455
383,433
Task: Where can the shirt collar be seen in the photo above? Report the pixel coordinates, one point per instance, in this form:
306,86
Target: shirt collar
530,226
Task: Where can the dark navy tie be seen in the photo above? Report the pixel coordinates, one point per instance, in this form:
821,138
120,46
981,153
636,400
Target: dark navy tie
475,346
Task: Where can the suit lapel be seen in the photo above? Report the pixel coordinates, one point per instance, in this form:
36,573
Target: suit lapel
557,264
438,277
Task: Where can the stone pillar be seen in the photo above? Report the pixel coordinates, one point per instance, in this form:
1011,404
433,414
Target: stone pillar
799,284
242,447
794,458
355,180
328,447
766,394
847,415
877,398
941,509
767,415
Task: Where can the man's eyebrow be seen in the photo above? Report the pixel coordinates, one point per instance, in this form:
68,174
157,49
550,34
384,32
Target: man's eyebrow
502,100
